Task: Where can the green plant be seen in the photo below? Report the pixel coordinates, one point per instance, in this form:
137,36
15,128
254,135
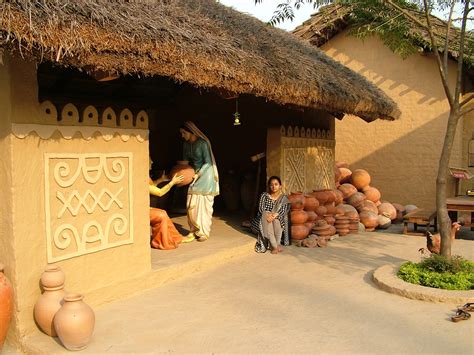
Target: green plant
440,272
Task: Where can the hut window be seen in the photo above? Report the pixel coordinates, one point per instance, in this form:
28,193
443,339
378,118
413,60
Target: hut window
471,152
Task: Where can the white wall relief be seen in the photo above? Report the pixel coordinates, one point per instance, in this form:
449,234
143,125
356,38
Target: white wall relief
88,203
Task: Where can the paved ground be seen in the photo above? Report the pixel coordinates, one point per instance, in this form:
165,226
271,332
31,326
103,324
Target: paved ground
301,301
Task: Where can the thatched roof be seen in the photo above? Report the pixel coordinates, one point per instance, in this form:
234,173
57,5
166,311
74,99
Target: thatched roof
200,42
333,19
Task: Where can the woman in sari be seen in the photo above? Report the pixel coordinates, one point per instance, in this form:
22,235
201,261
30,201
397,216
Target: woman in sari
271,222
205,185
163,232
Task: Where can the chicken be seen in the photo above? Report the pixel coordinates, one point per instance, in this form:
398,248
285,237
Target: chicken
433,241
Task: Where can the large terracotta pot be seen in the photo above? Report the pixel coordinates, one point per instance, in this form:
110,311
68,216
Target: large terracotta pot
299,216
339,197
299,232
297,200
330,219
349,208
6,305
330,208
384,221
310,203
372,193
312,216
388,208
356,200
322,195
369,220
331,196
360,178
182,167
337,175
340,209
74,322
345,175
52,282
347,190
321,210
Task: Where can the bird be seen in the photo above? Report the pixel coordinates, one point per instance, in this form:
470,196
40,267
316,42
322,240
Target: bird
433,241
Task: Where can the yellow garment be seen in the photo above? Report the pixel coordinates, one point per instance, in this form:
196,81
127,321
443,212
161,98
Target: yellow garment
159,191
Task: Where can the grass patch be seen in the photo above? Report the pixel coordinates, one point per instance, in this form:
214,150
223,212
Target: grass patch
439,272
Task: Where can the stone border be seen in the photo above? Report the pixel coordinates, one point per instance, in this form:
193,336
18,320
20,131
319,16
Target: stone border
386,278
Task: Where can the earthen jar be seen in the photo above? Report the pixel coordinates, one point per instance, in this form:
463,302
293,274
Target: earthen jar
354,225
321,223
360,178
297,200
349,208
332,230
345,175
369,220
299,232
410,208
52,282
330,208
369,206
321,195
372,193
356,199
329,218
377,203
309,225
311,216
331,196
337,175
340,209
74,322
310,203
339,197
321,210
299,216
384,221
6,305
182,167
387,207
347,190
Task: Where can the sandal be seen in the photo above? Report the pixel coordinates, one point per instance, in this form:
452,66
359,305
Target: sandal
460,315
468,307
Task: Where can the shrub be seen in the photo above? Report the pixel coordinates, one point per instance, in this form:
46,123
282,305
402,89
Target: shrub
440,272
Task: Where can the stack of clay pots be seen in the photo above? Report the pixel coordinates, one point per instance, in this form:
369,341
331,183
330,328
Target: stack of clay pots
323,229
62,314
298,216
310,205
354,225
342,225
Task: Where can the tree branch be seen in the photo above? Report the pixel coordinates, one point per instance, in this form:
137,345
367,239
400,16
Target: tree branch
466,111
428,28
457,92
446,42
467,100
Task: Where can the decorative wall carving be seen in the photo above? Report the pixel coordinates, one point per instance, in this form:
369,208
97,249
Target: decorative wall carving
70,120
88,203
307,159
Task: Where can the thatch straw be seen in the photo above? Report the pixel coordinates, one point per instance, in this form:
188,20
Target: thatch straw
333,19
200,42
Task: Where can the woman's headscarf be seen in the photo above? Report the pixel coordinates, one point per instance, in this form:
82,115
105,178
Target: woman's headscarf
193,129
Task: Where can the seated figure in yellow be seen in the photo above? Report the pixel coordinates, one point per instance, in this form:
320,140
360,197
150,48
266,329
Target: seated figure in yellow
163,232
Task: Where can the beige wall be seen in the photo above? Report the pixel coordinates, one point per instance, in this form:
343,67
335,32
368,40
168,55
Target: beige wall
401,156
24,235
468,134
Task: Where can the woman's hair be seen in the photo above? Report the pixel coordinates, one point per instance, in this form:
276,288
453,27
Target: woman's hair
187,129
273,178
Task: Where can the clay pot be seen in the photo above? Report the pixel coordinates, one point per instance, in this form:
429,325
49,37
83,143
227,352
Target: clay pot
329,218
321,210
388,208
345,175
182,167
347,190
337,175
52,282
310,203
311,216
377,203
384,221
309,225
349,208
357,199
410,208
321,195
321,223
360,178
340,209
369,220
331,196
330,208
299,216
297,200
74,322
339,197
299,232
372,193
6,305
332,230
369,206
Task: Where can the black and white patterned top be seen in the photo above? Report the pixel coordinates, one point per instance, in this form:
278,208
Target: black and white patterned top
266,203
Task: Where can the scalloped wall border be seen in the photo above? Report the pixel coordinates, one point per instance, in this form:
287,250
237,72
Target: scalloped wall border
22,130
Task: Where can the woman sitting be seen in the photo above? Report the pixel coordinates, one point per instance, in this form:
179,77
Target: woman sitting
164,233
271,222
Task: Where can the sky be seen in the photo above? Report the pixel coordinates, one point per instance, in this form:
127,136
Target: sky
264,11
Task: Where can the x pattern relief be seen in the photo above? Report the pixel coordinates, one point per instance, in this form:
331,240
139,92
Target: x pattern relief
88,203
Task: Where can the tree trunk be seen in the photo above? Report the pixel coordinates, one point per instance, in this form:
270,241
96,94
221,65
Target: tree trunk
441,184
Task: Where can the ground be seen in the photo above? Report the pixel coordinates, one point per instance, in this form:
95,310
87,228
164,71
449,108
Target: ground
301,301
